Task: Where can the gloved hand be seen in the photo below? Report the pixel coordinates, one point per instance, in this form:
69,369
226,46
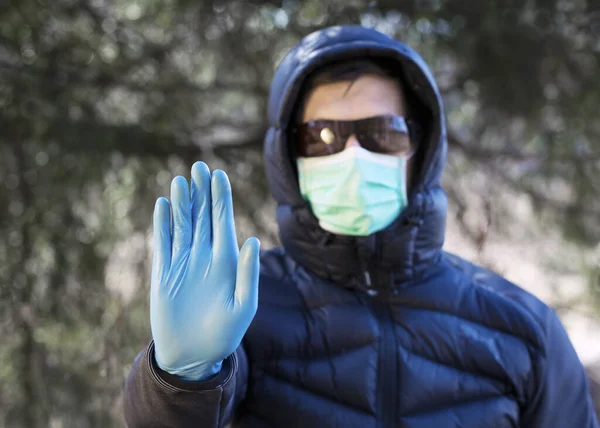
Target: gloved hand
202,298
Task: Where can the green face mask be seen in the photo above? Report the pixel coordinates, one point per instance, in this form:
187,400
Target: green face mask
354,192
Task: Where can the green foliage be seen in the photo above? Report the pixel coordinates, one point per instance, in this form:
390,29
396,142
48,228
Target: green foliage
101,103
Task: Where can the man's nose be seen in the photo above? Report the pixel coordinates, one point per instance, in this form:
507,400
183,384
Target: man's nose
352,142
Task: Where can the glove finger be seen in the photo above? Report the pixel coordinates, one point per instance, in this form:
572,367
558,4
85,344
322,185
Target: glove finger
182,223
161,261
248,269
201,208
223,225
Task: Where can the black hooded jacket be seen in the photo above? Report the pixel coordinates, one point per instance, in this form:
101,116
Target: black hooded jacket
382,331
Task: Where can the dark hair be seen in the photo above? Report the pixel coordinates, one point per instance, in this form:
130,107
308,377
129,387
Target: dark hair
345,71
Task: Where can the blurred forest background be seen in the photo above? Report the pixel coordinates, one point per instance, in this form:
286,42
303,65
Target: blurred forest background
102,102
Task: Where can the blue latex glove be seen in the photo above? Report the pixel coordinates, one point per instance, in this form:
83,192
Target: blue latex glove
204,291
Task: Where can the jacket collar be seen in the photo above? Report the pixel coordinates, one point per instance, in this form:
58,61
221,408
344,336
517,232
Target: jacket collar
379,263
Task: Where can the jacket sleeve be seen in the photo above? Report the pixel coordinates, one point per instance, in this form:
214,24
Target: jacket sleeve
561,396
156,399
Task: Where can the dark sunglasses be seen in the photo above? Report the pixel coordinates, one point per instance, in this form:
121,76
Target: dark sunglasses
379,134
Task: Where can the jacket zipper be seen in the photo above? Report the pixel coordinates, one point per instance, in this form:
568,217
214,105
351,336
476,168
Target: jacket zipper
387,364
387,367
387,372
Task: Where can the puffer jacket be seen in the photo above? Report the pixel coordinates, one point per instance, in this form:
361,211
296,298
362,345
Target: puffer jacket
383,331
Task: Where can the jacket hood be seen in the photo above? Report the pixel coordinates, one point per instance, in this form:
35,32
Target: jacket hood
407,248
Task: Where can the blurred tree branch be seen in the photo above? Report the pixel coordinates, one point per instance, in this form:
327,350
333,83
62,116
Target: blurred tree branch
102,102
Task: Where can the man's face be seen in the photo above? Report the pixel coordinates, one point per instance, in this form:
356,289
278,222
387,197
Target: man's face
368,96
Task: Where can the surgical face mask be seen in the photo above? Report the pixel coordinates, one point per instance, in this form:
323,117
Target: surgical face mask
354,192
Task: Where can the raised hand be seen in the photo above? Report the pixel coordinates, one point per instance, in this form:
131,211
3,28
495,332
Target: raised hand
204,291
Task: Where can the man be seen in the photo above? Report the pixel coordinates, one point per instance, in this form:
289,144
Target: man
360,320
